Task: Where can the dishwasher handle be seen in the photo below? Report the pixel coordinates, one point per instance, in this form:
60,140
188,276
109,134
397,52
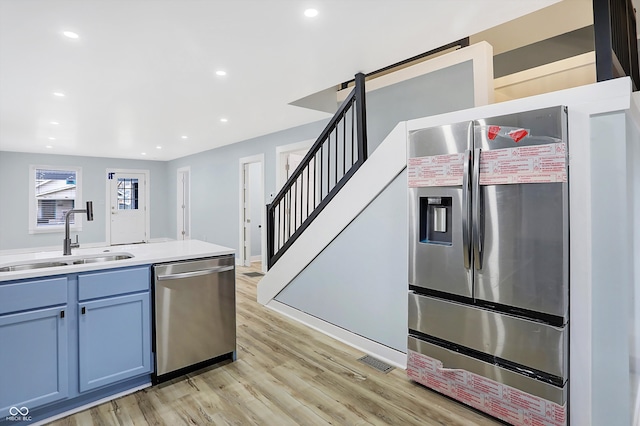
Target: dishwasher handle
195,273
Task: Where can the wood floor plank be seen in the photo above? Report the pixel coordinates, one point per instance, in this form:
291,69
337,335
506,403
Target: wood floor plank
286,374
325,406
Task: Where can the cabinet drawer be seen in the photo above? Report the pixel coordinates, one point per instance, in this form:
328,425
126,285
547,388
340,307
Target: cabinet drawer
113,282
25,295
453,361
525,342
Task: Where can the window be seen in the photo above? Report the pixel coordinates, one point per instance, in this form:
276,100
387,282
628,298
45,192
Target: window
53,192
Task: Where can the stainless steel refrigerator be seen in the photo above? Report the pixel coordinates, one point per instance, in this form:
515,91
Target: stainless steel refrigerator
489,264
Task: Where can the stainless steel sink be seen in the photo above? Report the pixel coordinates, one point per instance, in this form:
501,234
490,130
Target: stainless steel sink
103,258
29,266
78,261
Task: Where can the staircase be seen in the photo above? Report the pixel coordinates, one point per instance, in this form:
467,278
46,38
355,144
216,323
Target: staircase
333,159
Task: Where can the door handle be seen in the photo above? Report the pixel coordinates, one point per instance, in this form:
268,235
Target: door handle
477,211
201,272
466,209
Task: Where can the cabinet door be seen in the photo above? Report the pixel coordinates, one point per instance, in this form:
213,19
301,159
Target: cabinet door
33,359
114,340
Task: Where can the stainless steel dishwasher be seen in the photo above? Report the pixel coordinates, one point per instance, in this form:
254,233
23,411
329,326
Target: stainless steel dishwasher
194,315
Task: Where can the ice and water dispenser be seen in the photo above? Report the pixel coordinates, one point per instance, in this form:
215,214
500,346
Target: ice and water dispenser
435,220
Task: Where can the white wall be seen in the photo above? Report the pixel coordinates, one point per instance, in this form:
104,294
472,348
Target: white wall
611,249
633,291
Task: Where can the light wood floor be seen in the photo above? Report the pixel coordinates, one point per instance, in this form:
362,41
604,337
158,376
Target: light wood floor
285,374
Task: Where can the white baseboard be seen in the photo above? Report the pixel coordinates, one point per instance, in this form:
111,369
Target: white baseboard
257,258
375,349
89,405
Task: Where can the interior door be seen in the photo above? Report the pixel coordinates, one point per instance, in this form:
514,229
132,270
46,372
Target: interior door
246,215
184,211
301,201
297,211
128,209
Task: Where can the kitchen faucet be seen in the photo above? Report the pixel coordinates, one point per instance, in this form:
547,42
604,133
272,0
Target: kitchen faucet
68,245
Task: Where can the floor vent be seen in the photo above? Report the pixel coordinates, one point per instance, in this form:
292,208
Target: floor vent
376,363
253,274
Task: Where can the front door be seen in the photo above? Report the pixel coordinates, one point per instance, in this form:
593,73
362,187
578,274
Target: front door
128,208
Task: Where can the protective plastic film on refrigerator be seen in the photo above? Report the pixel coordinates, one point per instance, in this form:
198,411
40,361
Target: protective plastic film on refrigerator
488,264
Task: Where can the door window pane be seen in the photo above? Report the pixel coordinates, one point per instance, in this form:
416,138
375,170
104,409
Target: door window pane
127,194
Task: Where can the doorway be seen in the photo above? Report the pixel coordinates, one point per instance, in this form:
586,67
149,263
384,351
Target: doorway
127,215
252,241
183,212
288,158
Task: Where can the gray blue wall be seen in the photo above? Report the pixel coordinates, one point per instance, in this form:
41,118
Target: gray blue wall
215,183
14,193
359,282
445,90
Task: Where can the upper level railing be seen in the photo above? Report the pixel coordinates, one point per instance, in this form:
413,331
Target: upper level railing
338,152
616,40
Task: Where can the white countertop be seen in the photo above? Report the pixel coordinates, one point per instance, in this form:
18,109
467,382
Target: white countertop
143,254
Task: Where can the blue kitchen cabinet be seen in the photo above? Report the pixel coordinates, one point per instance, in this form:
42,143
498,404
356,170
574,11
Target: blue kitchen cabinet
114,340
34,366
114,329
68,340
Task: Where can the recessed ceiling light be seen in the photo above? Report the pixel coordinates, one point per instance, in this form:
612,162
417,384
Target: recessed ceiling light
48,146
185,137
70,34
52,139
158,147
59,94
223,120
221,72
143,153
311,13
55,123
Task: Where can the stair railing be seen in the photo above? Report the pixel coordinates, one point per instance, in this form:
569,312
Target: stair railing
336,155
616,40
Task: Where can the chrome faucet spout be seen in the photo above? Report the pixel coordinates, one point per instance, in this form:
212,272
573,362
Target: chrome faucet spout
67,244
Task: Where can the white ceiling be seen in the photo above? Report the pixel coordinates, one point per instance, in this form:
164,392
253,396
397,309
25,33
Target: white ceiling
142,73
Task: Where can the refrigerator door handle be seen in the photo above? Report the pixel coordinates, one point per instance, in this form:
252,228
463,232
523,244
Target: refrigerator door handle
466,209
477,211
